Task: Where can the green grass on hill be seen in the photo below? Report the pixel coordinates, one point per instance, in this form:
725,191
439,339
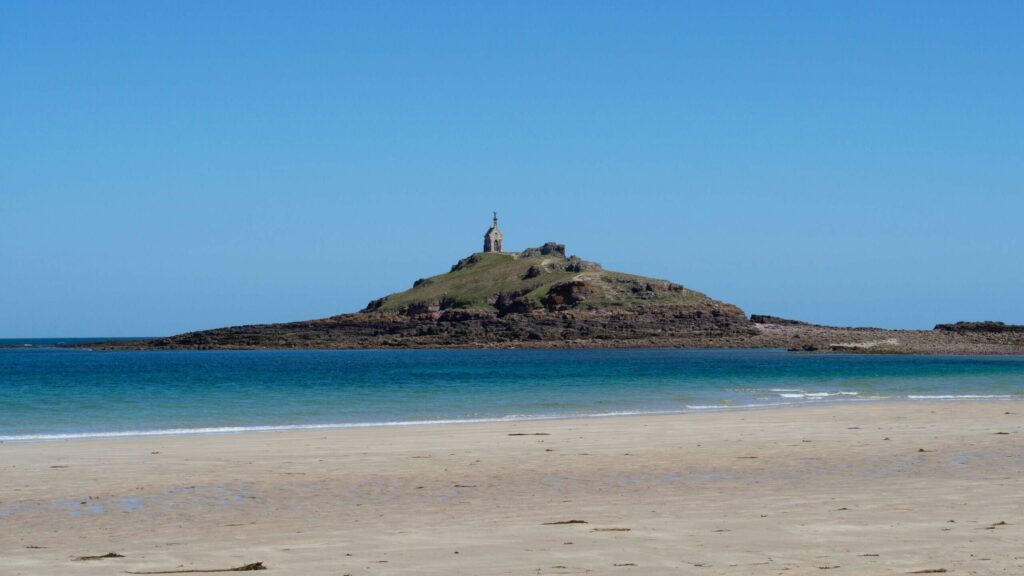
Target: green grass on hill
476,285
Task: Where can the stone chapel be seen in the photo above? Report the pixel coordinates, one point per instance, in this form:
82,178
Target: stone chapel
492,239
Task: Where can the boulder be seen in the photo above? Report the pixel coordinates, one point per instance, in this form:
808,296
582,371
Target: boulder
375,304
515,302
567,294
466,262
578,265
547,249
533,272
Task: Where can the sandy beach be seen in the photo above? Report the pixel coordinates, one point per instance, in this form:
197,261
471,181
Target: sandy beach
857,488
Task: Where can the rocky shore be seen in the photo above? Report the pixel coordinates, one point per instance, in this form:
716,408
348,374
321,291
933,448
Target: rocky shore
474,329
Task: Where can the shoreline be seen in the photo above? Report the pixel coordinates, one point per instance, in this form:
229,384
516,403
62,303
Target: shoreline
652,329
969,350
285,428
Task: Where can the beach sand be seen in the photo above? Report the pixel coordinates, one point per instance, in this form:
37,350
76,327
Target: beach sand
856,488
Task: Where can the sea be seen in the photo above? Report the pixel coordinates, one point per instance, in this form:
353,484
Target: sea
53,393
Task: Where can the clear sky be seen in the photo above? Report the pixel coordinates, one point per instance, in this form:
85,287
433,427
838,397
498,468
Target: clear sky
170,166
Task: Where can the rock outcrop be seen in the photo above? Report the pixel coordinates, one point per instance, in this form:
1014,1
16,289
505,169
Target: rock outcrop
765,319
546,249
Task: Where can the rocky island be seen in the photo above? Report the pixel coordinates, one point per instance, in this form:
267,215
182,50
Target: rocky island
543,298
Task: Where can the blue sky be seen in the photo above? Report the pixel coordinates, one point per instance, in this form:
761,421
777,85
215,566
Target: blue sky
170,166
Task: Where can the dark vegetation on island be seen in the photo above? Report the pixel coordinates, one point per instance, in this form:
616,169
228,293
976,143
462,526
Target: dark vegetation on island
542,298
980,327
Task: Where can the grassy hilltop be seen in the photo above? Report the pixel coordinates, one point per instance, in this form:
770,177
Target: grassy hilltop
541,278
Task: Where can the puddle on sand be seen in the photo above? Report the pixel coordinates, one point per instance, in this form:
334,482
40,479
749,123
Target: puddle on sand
222,496
133,503
80,507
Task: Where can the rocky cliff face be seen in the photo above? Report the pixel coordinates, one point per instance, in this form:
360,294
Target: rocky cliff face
478,329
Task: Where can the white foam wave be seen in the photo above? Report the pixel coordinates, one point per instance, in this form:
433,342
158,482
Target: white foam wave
237,429
734,406
957,396
818,394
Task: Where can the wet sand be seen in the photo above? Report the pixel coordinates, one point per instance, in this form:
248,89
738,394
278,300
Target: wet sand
858,488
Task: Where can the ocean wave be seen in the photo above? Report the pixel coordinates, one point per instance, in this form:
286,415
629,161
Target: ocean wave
813,395
958,396
334,426
734,406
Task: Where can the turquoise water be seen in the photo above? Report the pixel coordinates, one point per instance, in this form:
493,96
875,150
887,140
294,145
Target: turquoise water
60,393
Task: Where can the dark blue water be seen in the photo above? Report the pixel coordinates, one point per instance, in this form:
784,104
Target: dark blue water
51,342
56,393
